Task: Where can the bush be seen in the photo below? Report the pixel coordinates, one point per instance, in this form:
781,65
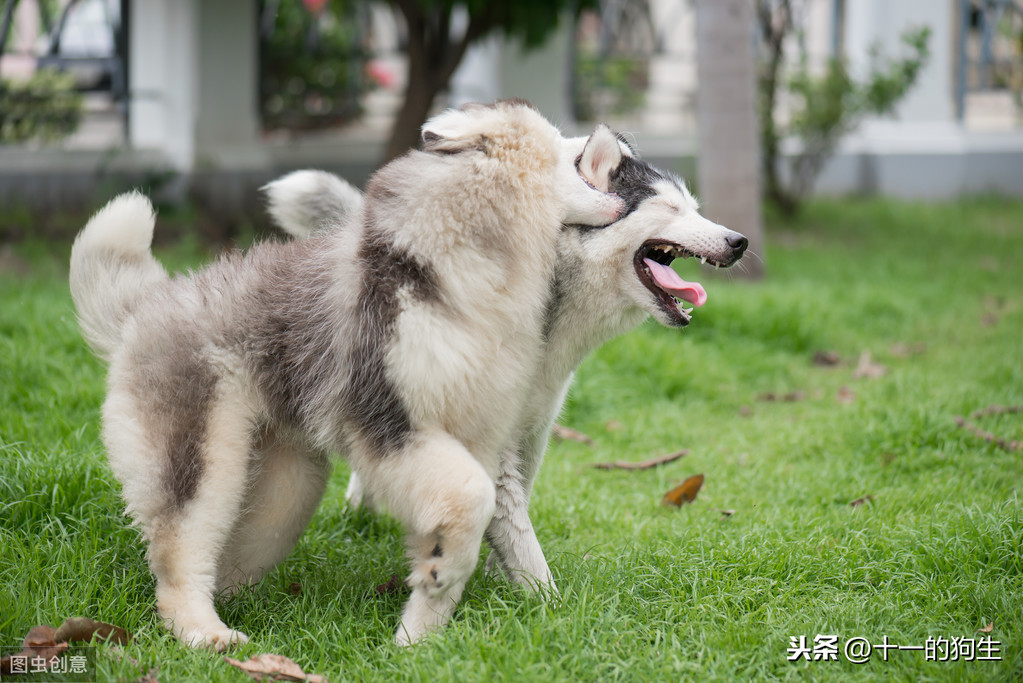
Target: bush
45,107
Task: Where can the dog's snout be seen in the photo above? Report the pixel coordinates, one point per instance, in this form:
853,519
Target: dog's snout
738,244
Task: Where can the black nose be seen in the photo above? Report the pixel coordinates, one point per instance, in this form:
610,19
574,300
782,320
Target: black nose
738,243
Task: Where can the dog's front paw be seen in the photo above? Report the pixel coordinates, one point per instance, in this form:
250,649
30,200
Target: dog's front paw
219,640
430,577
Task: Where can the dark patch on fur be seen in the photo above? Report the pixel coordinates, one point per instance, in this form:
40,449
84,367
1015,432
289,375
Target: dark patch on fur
374,406
188,392
622,139
633,180
560,286
437,552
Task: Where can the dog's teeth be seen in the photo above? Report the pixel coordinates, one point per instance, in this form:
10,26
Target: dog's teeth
703,260
688,311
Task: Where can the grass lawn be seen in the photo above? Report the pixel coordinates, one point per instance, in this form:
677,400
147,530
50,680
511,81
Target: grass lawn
934,294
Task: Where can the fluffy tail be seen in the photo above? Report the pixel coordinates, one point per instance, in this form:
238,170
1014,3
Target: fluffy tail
112,268
304,203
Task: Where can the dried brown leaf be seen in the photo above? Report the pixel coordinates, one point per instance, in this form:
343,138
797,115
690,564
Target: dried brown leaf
393,585
684,492
643,464
789,397
904,350
274,668
861,501
38,644
868,368
987,629
567,434
83,630
1001,442
826,359
845,395
294,588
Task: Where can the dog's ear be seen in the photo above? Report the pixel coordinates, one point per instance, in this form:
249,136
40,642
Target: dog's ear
451,133
601,156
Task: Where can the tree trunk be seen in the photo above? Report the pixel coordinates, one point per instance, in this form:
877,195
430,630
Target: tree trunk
419,95
432,59
728,162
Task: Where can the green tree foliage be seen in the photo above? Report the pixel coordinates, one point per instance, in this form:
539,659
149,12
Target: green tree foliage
825,107
45,107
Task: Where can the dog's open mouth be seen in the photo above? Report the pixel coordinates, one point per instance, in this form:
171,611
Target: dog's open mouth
653,266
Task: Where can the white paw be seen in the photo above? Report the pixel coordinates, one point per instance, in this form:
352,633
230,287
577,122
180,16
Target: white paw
216,639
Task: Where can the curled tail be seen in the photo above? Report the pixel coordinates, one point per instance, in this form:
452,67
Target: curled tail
304,203
112,268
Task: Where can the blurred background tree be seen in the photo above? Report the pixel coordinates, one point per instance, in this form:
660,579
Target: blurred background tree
825,107
440,31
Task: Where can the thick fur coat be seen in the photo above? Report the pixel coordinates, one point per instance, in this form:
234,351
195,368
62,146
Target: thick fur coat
406,342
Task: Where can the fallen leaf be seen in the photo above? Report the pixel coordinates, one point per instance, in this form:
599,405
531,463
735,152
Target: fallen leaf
867,368
684,492
1001,442
566,434
613,425
987,629
826,358
83,630
294,588
38,644
845,395
393,585
642,465
790,397
860,501
274,668
725,514
903,350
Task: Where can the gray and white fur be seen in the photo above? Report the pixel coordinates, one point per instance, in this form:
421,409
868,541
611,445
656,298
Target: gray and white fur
601,289
407,341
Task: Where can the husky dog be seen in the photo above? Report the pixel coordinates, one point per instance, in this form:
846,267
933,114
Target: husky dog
407,342
607,280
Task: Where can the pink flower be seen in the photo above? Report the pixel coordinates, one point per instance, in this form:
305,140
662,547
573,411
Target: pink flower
314,6
381,73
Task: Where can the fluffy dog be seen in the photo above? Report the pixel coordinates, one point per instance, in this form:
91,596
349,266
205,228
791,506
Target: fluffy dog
606,281
407,342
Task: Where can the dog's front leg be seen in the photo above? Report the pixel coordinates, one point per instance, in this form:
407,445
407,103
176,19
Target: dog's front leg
445,498
516,550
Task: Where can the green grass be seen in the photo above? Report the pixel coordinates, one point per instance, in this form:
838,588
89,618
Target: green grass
933,292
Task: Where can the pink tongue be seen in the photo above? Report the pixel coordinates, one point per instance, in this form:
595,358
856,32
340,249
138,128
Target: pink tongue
668,280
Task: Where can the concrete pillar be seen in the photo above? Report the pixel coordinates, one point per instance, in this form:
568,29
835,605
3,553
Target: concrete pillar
163,93
729,149
193,81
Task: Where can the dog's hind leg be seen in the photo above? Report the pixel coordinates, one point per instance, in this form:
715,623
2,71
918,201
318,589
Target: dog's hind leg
446,499
204,445
286,484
